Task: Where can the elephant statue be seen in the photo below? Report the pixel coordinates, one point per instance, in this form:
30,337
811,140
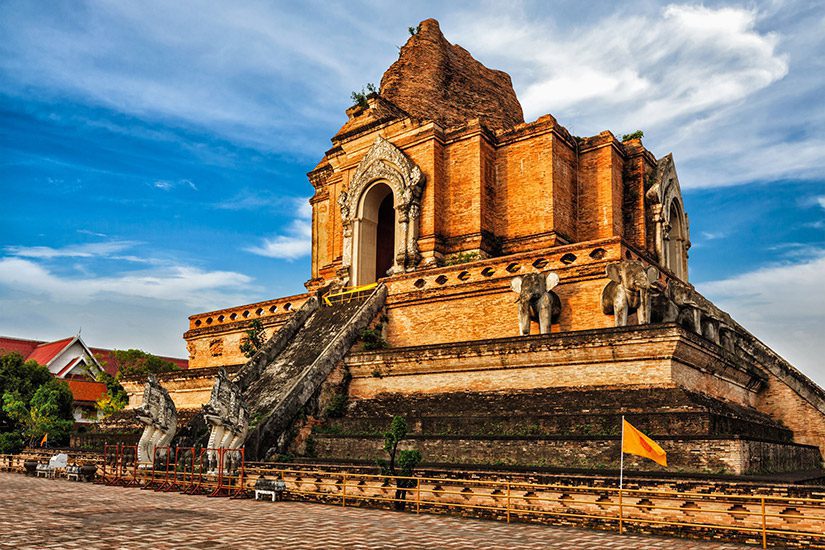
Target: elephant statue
629,289
536,301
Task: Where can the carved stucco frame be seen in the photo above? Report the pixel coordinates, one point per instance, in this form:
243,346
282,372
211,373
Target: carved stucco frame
661,196
385,163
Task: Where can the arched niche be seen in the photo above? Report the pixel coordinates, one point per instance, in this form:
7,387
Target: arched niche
383,165
675,240
668,220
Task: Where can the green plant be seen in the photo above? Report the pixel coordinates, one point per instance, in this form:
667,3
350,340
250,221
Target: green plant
360,98
460,258
309,448
134,362
405,460
255,420
11,443
373,338
336,406
254,339
376,373
414,30
115,399
48,412
638,134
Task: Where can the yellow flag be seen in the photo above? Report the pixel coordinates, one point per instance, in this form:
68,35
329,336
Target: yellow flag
635,442
45,439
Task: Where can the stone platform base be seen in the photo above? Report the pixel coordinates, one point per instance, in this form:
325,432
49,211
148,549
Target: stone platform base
733,455
570,428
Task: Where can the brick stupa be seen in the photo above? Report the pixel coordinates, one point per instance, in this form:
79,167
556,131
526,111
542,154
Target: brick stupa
440,193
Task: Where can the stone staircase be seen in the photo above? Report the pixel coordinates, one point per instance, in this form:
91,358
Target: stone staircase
279,380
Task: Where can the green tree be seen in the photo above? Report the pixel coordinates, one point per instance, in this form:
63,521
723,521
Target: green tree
134,362
115,399
49,411
405,460
11,443
254,339
19,377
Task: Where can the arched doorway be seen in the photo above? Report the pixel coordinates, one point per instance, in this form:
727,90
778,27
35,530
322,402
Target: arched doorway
375,234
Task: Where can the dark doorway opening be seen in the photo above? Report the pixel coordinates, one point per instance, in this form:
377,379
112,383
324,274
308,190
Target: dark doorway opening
385,237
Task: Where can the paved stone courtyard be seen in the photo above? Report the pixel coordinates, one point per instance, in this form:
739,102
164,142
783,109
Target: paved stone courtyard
40,513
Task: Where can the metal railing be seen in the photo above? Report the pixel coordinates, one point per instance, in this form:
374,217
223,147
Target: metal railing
348,294
757,519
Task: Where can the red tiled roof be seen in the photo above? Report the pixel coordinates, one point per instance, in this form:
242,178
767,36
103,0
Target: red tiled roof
83,390
23,347
43,352
46,352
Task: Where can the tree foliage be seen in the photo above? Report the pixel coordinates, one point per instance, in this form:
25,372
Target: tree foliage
638,134
254,339
19,377
115,399
360,98
49,411
134,362
401,463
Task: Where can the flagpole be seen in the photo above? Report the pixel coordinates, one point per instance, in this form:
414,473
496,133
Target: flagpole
621,479
621,460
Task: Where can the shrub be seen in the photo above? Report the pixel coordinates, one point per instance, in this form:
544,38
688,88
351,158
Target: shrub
337,405
11,443
374,338
360,98
638,134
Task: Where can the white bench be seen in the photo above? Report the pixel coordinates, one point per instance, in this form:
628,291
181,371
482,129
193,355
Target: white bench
273,489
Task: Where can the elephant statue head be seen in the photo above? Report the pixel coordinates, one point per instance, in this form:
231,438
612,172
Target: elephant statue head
628,290
536,301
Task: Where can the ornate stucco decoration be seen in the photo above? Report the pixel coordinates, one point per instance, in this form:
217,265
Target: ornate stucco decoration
386,163
671,230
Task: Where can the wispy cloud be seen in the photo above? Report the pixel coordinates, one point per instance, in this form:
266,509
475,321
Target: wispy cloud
91,233
728,89
783,305
87,250
247,199
296,242
167,185
186,284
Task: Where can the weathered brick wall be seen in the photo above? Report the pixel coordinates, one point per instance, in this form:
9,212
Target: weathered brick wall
214,338
188,389
631,356
474,301
719,455
521,189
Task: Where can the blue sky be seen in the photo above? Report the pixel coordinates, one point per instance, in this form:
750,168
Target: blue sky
154,153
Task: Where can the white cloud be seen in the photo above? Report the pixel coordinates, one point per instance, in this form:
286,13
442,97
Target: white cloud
183,284
650,68
297,240
784,306
89,250
731,91
166,185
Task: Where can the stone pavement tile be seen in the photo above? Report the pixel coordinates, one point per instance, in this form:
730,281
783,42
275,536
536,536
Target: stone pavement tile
94,516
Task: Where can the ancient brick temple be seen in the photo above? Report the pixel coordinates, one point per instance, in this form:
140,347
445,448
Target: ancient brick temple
532,288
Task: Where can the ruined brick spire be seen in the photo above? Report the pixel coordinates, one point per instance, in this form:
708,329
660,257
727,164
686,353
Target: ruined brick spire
439,81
